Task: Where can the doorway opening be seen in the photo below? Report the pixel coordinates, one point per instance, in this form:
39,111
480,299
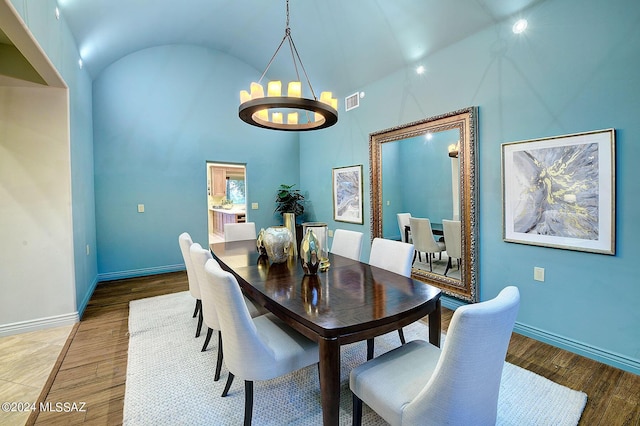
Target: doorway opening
226,197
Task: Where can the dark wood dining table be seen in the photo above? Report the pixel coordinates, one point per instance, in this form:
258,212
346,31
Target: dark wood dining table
350,302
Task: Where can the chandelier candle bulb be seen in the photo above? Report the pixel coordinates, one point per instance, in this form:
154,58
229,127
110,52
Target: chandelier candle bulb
257,91
263,115
326,97
292,118
244,96
295,89
274,88
277,117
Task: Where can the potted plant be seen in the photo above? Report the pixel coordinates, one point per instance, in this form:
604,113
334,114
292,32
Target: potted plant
289,200
289,203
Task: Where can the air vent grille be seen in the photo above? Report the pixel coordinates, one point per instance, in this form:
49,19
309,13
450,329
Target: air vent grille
351,102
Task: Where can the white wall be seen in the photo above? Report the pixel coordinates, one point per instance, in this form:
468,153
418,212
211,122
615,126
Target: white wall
36,246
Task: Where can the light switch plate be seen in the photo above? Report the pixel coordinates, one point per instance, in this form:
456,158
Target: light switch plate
140,208
538,273
330,232
254,206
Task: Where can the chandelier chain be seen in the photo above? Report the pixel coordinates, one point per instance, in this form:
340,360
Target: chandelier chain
294,55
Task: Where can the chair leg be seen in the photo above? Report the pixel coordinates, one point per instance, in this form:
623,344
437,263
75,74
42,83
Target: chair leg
207,339
195,311
430,264
415,253
228,385
200,319
219,362
369,349
357,411
248,402
448,267
401,334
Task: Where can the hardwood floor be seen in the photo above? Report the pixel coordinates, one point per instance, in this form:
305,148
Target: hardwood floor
93,369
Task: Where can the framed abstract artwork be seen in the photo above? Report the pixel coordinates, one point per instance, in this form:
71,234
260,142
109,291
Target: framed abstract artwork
560,192
347,194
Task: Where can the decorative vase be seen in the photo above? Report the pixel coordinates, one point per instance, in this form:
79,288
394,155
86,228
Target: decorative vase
320,230
310,253
260,243
290,224
277,242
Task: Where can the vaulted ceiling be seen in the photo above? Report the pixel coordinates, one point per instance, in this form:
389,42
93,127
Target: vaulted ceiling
352,42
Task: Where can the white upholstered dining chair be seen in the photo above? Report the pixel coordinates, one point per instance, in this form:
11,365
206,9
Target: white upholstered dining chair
239,231
453,240
403,221
185,242
347,243
394,256
419,383
199,257
423,239
260,348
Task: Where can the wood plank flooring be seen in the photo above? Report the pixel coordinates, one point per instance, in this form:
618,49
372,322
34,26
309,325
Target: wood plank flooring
93,370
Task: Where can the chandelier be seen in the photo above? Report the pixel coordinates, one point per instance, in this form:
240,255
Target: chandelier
291,112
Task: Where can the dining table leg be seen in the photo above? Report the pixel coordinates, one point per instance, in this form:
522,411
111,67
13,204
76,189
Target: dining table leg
330,380
435,321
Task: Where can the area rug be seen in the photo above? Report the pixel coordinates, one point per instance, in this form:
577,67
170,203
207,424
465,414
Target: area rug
170,381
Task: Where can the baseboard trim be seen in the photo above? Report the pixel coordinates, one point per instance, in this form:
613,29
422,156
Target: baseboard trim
111,276
606,357
39,324
87,297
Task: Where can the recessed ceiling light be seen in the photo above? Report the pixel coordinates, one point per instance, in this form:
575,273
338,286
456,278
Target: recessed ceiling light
420,70
519,26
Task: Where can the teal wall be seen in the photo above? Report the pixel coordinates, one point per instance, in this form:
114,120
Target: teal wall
574,70
159,115
56,40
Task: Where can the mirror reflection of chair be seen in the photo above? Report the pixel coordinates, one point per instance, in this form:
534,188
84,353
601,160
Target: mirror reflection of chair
185,242
403,222
347,243
199,258
394,256
419,383
239,231
423,239
453,240
260,348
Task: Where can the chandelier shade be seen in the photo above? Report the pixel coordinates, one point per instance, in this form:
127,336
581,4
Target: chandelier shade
292,112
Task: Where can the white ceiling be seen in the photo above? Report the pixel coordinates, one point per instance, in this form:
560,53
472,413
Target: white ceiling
353,42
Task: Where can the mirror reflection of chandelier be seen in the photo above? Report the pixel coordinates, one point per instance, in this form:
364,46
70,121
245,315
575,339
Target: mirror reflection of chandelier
291,112
454,149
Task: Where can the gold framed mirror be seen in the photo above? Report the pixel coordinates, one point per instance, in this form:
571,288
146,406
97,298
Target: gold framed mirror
428,169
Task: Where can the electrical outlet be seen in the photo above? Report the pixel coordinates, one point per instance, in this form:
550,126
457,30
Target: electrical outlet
140,208
254,206
330,232
538,273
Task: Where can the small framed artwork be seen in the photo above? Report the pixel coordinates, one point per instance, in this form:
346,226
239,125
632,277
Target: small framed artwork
560,192
347,194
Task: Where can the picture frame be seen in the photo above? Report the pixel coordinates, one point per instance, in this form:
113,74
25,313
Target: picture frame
559,192
347,194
